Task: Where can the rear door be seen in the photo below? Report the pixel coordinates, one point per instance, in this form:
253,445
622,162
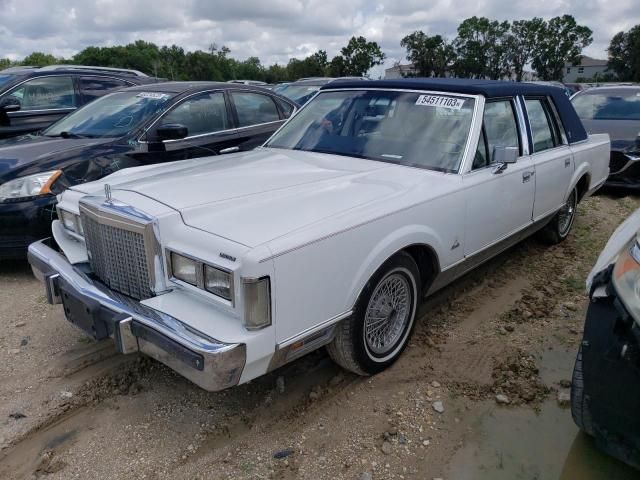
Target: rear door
551,156
43,100
258,115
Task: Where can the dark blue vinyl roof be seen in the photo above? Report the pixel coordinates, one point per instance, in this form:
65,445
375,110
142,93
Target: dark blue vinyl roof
488,88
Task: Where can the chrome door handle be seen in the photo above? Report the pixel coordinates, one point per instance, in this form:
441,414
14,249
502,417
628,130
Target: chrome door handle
526,176
229,150
567,162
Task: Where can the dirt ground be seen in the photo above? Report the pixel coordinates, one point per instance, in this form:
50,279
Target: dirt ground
71,408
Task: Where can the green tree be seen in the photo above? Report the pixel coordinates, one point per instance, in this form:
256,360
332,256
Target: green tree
249,69
431,56
39,59
560,41
624,54
481,48
314,65
337,67
171,62
140,55
521,43
359,56
5,63
276,73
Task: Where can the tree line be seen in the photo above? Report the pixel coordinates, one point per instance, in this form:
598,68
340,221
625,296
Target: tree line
487,48
172,62
483,48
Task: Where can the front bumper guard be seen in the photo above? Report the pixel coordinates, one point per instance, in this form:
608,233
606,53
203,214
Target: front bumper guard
134,327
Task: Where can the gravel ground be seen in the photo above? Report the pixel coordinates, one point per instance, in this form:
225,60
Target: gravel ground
502,339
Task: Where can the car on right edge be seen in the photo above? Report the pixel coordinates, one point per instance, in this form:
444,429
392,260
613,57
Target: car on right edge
605,393
615,110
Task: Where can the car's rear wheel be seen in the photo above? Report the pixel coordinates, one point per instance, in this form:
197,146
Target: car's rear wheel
560,225
383,319
579,399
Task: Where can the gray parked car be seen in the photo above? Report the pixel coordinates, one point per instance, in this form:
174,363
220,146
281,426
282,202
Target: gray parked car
615,110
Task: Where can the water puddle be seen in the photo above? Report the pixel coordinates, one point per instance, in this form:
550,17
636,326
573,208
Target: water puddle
520,444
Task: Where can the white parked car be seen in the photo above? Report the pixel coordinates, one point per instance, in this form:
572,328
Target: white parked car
373,195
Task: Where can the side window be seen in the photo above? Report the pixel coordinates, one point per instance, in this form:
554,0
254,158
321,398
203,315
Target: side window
541,125
286,107
201,114
499,129
254,108
94,87
45,93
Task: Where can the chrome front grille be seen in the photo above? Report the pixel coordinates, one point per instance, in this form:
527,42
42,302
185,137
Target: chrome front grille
118,256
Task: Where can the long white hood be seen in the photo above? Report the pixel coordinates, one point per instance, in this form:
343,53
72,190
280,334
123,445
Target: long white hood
258,196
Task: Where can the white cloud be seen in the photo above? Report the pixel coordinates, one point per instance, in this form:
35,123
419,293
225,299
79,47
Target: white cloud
275,30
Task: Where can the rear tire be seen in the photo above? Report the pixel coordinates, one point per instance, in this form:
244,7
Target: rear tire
579,400
560,225
379,329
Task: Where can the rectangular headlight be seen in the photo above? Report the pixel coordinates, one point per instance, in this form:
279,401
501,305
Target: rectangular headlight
185,269
218,282
257,302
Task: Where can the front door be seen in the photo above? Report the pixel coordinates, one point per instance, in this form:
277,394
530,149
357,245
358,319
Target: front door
210,131
43,100
499,201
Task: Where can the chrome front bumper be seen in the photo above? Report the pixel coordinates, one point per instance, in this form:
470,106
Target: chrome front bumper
134,327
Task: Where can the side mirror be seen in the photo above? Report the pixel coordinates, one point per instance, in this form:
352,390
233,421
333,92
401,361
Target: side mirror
10,104
505,154
171,131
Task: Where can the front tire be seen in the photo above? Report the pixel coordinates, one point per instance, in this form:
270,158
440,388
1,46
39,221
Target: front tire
579,399
560,225
375,335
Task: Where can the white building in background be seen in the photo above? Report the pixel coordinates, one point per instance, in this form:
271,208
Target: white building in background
399,71
587,68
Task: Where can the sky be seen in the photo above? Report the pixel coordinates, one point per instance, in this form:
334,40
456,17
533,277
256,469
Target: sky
277,30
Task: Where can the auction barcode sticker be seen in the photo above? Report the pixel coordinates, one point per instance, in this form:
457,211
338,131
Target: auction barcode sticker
153,95
440,101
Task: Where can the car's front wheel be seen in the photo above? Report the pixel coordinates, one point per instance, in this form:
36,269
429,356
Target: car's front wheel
383,319
579,399
560,225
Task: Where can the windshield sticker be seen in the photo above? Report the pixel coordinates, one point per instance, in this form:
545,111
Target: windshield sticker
440,101
153,95
313,89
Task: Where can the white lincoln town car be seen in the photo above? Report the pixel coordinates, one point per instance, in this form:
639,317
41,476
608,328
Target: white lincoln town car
372,195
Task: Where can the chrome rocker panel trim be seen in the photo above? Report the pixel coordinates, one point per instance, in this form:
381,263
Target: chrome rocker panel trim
222,363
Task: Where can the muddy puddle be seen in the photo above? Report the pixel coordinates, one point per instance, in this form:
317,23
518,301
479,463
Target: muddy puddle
522,444
518,444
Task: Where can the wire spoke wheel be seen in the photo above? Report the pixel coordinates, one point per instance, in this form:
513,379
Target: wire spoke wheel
566,214
387,314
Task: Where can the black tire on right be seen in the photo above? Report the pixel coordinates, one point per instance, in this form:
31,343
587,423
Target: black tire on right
551,233
579,399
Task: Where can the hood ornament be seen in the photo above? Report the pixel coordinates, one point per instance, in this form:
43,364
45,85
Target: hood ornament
107,192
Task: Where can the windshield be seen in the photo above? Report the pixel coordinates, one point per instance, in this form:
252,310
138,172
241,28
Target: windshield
611,105
413,129
113,115
299,93
4,79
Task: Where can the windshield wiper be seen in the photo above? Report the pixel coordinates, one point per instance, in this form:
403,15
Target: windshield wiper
69,135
